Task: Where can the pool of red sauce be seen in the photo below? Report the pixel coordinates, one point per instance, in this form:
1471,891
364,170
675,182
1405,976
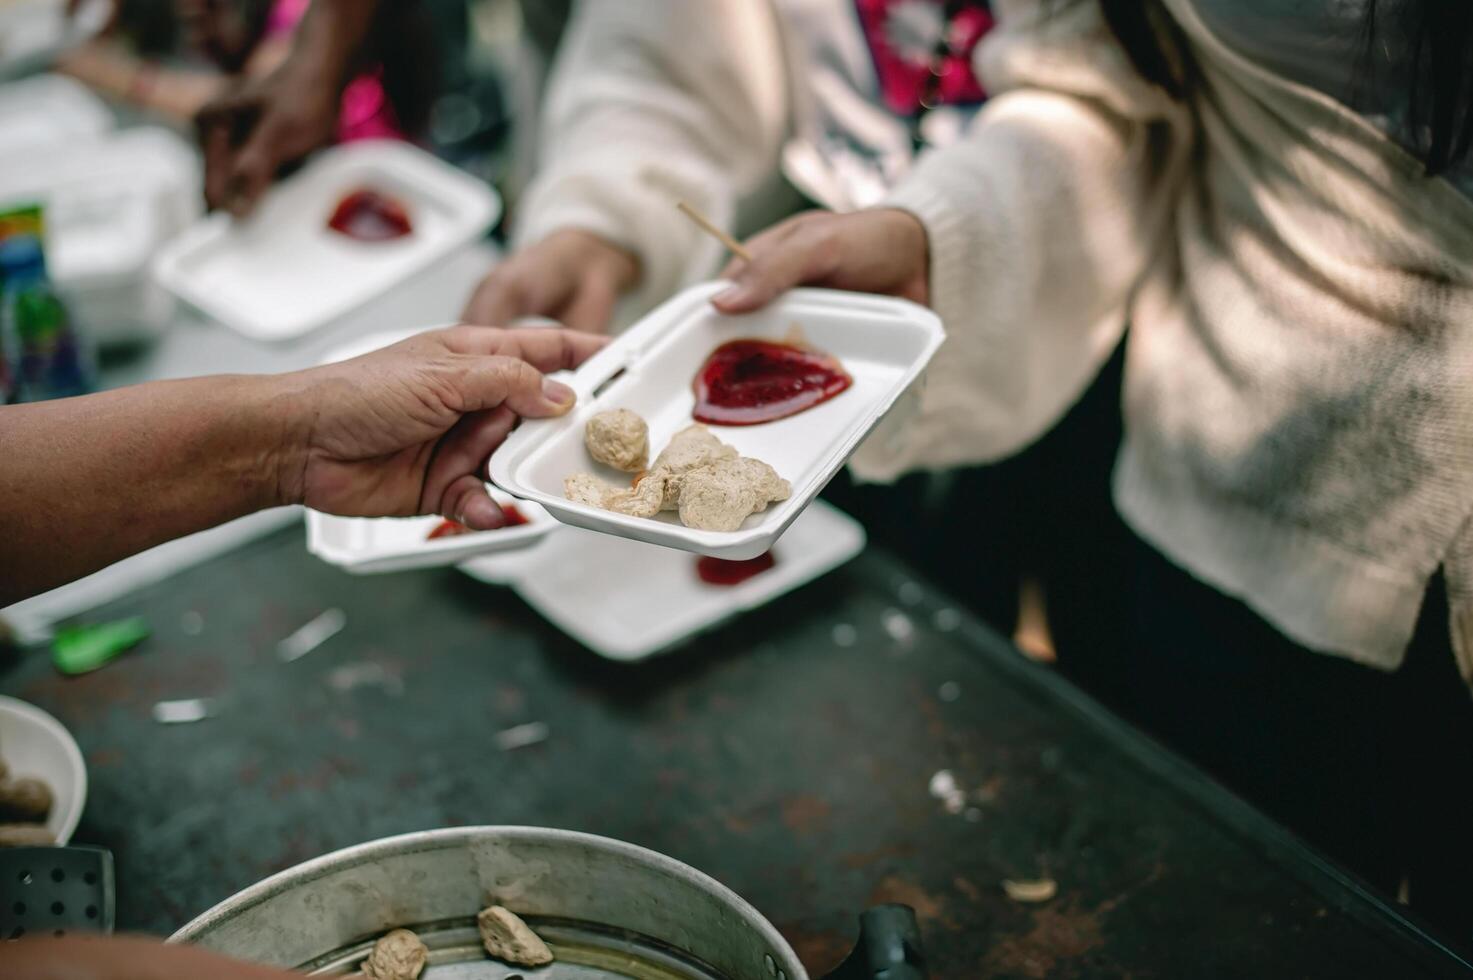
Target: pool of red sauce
449,529
722,571
370,216
750,381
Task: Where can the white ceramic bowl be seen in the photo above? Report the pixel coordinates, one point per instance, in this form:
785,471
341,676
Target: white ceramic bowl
33,743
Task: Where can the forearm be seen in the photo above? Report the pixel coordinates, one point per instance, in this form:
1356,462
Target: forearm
332,34
88,481
124,958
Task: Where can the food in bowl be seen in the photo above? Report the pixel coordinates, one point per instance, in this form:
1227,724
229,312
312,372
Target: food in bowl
401,955
398,955
507,938
25,835
25,804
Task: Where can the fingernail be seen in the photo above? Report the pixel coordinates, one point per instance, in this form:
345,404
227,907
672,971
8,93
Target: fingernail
729,296
557,392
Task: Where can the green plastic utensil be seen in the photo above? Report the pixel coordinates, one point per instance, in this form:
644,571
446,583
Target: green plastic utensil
80,649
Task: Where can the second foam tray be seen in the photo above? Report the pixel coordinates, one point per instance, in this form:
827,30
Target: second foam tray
283,272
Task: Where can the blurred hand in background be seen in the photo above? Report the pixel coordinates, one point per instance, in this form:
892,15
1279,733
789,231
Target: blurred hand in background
572,276
883,250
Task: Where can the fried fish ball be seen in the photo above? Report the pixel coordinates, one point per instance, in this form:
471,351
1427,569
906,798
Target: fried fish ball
585,488
24,801
509,939
692,446
618,438
721,495
398,955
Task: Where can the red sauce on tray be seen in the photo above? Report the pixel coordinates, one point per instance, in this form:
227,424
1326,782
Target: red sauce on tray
369,216
746,382
449,529
721,571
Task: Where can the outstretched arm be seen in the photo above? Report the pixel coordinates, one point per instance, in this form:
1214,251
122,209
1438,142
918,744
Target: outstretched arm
250,132
125,958
405,430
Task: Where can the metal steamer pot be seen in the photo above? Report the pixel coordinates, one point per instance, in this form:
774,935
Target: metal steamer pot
607,909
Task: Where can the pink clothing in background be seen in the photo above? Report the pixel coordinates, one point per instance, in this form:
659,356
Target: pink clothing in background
365,112
908,38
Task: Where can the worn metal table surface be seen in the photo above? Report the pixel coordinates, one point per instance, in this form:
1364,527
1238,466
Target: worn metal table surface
791,755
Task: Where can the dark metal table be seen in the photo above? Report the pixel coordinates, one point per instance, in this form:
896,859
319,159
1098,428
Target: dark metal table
792,755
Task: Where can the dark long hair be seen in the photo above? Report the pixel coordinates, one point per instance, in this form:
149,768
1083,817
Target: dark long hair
1439,51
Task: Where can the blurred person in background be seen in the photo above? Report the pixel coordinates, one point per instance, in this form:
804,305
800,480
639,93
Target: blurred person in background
1277,195
175,57
403,430
750,111
743,109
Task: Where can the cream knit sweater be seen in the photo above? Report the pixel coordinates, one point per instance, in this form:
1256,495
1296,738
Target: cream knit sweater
715,102
1299,369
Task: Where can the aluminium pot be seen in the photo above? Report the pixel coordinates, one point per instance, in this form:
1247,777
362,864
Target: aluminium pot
607,909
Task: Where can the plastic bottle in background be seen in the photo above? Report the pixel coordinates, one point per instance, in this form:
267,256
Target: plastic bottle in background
7,377
10,223
47,356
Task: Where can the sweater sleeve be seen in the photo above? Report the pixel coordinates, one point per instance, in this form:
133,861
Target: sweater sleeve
1041,222
652,102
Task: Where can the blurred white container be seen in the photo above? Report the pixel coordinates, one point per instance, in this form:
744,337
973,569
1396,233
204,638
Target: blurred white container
32,32
48,109
281,272
111,202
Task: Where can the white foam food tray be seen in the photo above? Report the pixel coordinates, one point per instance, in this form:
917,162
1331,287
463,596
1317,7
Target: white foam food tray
46,109
363,545
627,601
883,343
281,272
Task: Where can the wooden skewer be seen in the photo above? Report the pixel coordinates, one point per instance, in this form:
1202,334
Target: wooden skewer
732,245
